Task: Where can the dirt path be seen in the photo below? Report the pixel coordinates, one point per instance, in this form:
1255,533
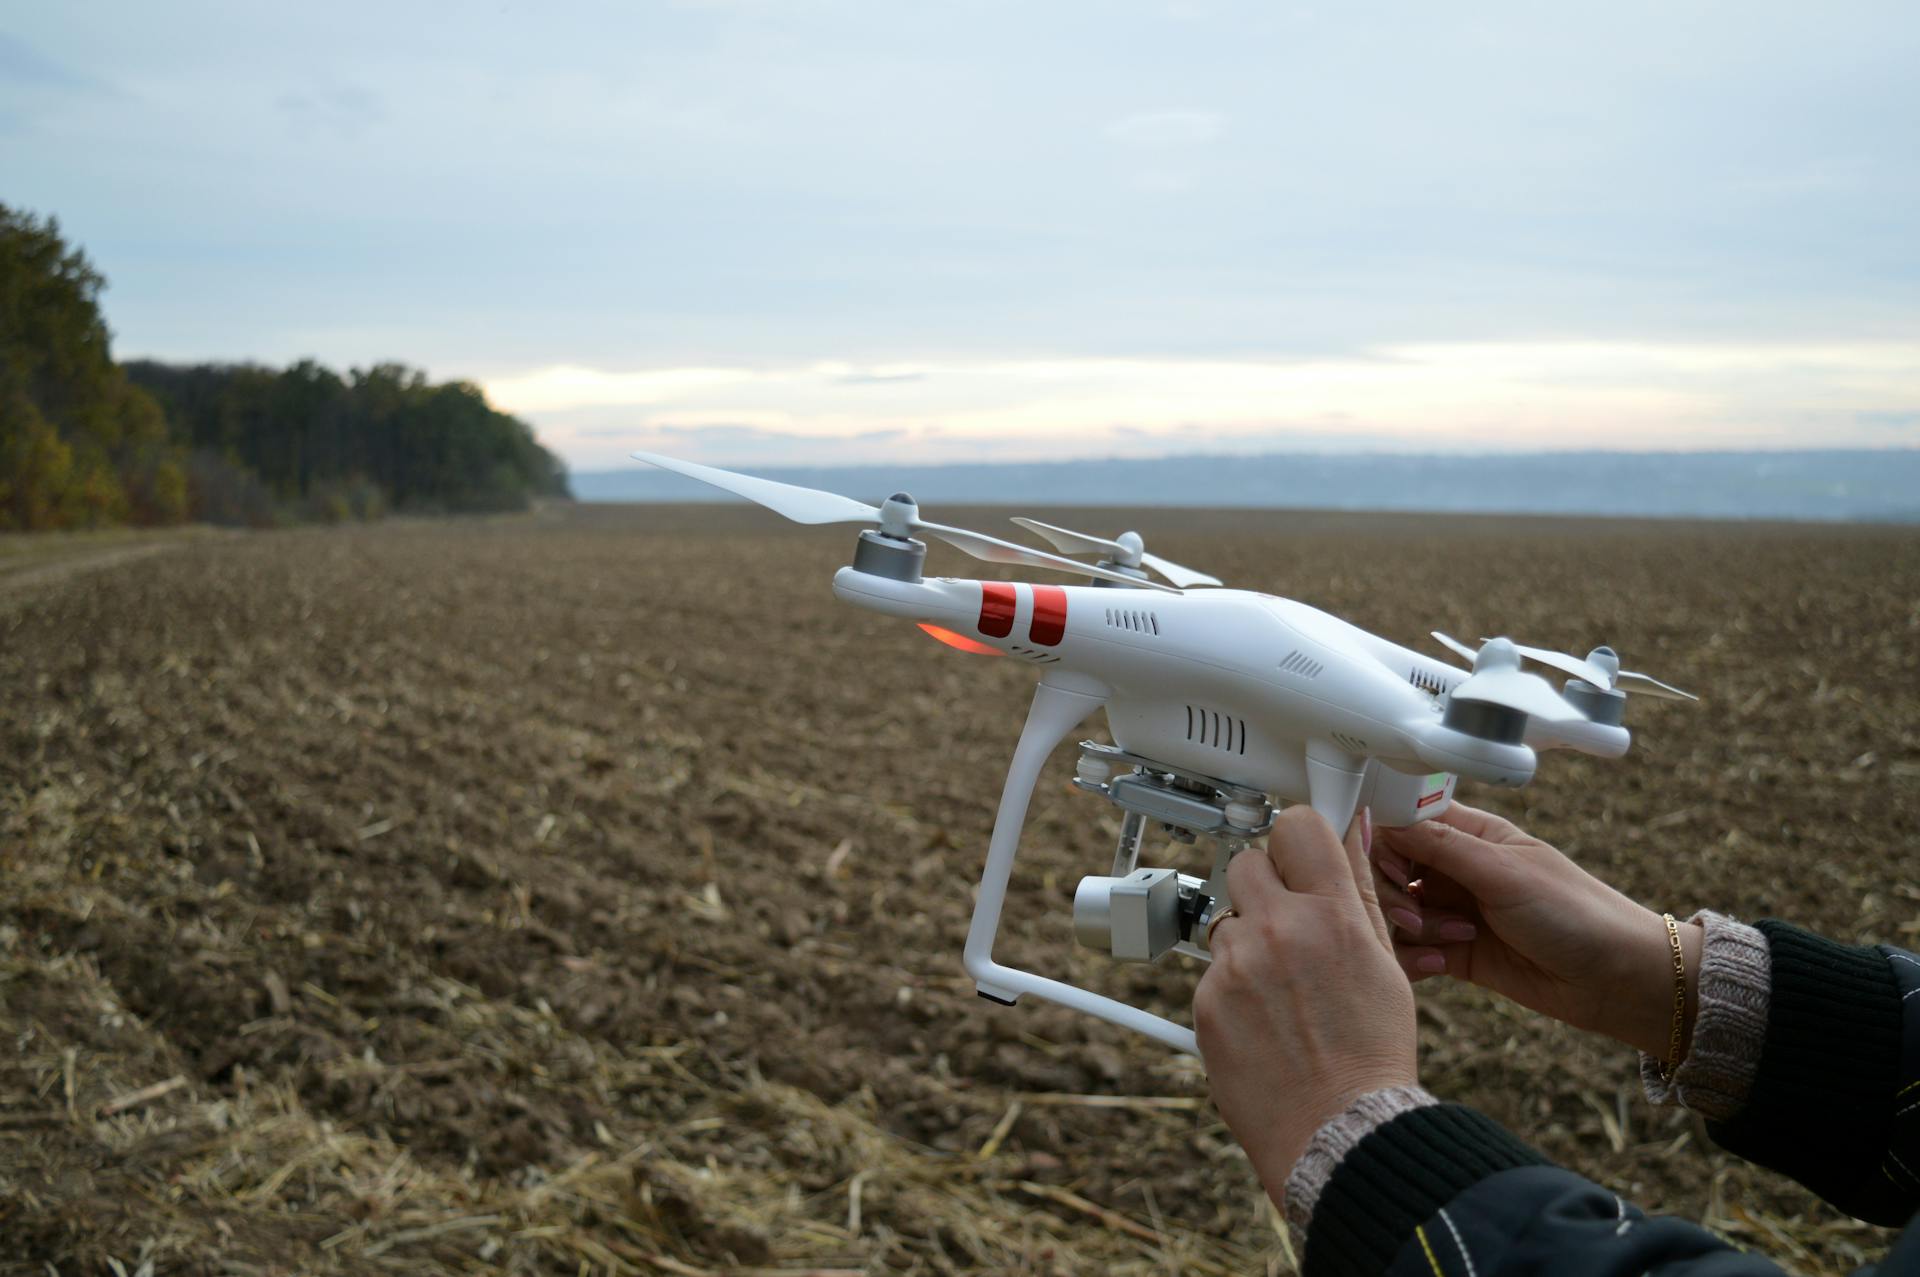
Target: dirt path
16,579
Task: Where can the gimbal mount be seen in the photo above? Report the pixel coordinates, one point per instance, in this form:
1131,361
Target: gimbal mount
1136,914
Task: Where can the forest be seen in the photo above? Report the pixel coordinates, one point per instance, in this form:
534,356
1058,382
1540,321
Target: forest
87,442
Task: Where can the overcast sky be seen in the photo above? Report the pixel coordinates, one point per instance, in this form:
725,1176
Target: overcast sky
787,231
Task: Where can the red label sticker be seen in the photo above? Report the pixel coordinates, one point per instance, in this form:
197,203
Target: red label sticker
1432,798
996,609
1049,614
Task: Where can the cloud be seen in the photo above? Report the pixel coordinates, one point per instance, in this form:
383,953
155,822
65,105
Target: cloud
1164,129
626,432
560,388
617,213
747,445
21,63
726,433
346,113
879,378
1426,397
1162,182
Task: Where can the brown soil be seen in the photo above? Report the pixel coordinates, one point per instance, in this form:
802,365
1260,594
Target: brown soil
586,893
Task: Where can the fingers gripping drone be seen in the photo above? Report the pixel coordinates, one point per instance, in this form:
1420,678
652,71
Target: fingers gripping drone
1222,704
1140,914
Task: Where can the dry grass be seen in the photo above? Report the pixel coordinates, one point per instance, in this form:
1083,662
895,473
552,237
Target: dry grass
584,894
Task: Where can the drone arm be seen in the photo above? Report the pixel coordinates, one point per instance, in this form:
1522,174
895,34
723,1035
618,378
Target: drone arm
1603,740
952,603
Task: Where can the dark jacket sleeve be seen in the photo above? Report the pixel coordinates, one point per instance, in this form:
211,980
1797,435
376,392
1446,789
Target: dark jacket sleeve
1445,1192
1836,1103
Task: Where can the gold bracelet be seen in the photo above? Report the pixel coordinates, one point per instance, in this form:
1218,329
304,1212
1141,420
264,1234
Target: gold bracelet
1679,998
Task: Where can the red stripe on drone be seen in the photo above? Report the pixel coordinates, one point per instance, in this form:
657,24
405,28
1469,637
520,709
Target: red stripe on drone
1434,797
1049,615
996,609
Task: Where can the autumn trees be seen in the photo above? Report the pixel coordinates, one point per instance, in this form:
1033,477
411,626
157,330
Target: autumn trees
80,445
86,442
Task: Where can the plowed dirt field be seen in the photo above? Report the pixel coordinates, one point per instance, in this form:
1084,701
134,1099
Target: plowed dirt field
585,893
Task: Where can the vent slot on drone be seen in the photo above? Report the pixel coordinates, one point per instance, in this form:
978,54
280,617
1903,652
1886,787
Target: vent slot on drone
1300,663
1221,731
1432,684
1034,654
1352,744
1138,621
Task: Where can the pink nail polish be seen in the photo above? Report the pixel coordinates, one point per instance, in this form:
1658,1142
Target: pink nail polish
1432,963
1366,832
1405,919
1456,930
1394,867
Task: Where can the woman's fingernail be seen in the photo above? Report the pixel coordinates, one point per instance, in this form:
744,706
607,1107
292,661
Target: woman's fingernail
1394,867
1457,930
1431,963
1405,919
1366,831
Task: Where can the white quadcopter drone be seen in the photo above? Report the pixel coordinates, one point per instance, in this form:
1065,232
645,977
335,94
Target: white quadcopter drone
1221,703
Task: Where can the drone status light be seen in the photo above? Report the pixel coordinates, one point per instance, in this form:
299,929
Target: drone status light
959,642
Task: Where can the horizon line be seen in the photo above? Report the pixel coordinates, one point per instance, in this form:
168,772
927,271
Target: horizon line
1318,454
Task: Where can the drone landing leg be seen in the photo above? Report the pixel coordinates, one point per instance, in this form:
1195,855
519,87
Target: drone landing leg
1057,709
1055,712
1333,784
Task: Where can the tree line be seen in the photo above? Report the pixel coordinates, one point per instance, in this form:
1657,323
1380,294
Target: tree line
86,442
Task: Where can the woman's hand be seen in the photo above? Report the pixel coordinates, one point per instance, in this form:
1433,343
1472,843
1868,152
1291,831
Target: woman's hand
1508,912
1303,1007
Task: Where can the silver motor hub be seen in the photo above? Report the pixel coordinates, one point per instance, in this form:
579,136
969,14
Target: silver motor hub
891,550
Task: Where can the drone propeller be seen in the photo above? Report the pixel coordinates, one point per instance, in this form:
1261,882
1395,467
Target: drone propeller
1602,668
1127,550
899,517
1454,645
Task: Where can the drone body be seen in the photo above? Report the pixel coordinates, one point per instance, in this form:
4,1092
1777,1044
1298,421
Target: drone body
1220,703
1260,691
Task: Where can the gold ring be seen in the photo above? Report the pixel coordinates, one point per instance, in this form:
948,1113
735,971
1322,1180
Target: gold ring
1216,920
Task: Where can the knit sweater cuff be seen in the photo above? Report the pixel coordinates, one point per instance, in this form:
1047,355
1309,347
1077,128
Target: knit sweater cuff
1822,1105
1399,1176
1336,1138
1729,1028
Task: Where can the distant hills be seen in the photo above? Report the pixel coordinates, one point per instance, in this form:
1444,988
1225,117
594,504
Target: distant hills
1873,486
